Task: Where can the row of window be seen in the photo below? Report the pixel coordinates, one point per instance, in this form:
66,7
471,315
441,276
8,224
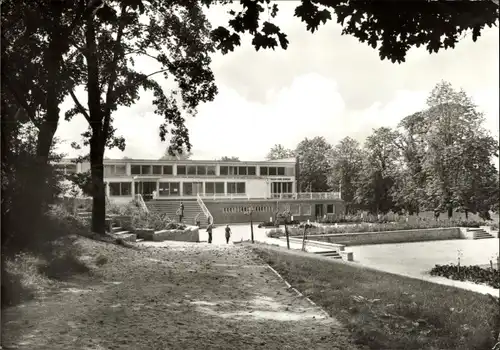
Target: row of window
110,170
173,188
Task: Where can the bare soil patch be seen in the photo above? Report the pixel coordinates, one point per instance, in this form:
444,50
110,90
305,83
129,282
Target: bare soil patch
182,296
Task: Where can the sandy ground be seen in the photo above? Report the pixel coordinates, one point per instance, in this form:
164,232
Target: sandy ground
180,296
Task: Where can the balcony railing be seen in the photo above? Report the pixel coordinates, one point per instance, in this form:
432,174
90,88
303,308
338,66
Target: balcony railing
307,195
293,196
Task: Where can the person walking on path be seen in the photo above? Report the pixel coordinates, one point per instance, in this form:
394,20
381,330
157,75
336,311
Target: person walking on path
228,233
209,230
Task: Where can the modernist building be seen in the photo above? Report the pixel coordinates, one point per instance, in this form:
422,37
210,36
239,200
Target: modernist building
226,189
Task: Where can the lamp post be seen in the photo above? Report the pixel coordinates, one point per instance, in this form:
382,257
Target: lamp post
249,213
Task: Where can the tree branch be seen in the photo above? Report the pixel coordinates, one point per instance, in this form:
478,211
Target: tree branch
79,105
158,71
30,112
110,98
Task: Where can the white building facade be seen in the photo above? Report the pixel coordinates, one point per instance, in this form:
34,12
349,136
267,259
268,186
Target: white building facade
184,179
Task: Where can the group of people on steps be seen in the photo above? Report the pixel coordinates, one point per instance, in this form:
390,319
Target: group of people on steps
228,232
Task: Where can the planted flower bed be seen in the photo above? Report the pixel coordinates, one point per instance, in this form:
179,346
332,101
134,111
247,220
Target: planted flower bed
381,227
474,274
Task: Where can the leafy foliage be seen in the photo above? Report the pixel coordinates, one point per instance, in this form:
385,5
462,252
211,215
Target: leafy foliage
393,29
347,161
229,159
279,151
314,163
182,154
379,165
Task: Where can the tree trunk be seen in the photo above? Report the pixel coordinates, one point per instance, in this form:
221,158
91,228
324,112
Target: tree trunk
99,192
287,236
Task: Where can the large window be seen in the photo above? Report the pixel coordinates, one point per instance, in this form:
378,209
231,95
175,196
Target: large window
272,171
237,170
211,170
146,169
121,169
214,187
281,187
120,188
192,188
201,170
236,188
181,170
167,170
191,169
306,209
330,209
135,169
169,188
108,170
156,169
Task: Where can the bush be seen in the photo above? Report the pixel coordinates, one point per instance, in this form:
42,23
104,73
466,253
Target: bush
474,274
494,226
267,224
275,233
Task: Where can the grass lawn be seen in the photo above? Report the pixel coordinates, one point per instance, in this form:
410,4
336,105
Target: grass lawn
386,311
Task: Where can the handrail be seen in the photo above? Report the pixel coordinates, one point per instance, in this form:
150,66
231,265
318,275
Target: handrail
141,202
204,208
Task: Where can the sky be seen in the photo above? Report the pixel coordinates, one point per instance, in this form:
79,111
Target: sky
325,84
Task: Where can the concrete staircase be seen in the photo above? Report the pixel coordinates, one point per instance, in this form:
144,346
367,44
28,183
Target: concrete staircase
479,233
115,228
192,210
330,253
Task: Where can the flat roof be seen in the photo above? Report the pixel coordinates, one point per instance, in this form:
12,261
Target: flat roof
289,161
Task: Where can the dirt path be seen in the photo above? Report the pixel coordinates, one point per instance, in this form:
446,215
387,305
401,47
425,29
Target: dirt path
185,296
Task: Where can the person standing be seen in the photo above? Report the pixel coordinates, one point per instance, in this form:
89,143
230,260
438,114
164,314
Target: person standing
209,231
180,211
228,234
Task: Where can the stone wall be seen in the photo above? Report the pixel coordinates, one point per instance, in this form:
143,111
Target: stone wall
402,236
234,211
190,234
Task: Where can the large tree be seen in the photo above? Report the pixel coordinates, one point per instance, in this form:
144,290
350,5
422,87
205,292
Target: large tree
458,153
279,151
176,36
346,159
376,180
409,188
314,163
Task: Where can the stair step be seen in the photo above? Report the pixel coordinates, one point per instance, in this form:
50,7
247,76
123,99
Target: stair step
116,229
327,252
121,232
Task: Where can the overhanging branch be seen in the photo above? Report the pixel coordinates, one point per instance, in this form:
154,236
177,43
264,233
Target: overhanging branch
79,106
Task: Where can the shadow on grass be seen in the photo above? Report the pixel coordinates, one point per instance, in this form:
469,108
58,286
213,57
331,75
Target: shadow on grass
386,311
34,261
14,292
